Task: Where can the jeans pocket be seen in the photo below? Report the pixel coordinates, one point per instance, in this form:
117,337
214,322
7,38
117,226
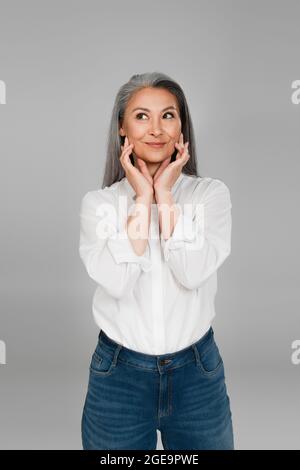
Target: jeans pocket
210,360
102,362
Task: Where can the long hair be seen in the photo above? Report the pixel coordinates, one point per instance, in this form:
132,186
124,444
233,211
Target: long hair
113,168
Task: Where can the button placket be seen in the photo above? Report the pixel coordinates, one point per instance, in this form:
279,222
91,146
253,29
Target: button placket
157,283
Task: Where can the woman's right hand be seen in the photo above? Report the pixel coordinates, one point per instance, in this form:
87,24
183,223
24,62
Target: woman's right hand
140,179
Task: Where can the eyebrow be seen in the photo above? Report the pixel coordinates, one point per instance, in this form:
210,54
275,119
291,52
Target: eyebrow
146,109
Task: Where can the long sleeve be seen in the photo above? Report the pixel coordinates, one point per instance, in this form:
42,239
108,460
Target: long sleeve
201,238
106,250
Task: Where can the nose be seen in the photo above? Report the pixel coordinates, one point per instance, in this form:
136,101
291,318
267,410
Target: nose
156,132
156,126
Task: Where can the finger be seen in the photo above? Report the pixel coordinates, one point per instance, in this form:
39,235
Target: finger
165,163
138,164
184,151
180,145
125,160
143,166
183,148
180,150
126,150
127,165
183,157
161,168
144,169
187,155
141,163
126,142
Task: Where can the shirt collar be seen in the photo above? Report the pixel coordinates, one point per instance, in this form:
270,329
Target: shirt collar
131,193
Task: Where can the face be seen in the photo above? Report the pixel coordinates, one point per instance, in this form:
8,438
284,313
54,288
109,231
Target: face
152,115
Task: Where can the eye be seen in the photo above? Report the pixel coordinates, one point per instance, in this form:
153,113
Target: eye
144,114
168,112
140,114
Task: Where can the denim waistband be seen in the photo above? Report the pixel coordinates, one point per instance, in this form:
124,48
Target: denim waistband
159,362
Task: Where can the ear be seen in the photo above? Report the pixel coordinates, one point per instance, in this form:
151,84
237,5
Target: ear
122,135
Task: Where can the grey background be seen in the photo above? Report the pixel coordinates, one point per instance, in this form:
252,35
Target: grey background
63,62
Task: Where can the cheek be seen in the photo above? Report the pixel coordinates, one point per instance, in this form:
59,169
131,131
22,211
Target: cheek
174,138
174,133
134,132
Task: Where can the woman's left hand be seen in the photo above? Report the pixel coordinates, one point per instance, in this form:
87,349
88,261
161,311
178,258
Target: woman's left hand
167,173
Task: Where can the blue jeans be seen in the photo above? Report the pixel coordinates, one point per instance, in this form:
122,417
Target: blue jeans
183,394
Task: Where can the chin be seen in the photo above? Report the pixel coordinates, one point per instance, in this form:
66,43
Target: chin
154,159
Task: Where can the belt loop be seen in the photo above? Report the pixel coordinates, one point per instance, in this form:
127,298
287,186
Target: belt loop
196,352
116,353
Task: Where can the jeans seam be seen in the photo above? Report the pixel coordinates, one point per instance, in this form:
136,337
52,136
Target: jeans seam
170,393
148,369
212,372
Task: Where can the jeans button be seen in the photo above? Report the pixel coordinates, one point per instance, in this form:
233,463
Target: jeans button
164,361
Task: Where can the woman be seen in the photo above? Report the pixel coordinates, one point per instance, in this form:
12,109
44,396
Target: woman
156,365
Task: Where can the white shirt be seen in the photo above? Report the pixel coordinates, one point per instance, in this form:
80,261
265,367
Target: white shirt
162,301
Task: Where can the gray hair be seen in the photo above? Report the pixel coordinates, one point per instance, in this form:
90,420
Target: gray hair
113,168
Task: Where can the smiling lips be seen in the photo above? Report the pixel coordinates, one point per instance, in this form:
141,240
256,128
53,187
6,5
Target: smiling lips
155,145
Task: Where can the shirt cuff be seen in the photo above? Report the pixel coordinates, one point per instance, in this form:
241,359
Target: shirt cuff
184,232
122,251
